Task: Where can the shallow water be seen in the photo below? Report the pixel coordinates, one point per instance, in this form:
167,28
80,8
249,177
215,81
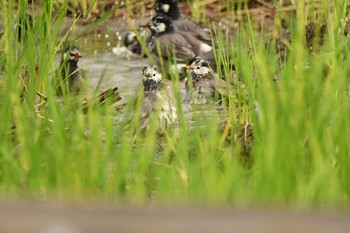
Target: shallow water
124,71
105,57
109,64
114,71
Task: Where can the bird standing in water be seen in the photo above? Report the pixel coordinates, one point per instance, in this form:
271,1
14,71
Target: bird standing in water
131,42
69,77
157,101
200,40
168,44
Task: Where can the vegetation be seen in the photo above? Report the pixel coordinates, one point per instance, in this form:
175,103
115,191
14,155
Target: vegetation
299,113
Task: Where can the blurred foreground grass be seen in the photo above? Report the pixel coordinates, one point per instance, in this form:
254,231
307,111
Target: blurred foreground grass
300,155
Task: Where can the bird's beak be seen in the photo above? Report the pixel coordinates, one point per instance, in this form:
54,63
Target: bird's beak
188,67
78,55
145,26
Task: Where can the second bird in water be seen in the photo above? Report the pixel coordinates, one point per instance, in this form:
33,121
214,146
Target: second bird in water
157,102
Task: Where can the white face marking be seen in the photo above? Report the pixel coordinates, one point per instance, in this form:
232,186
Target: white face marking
165,8
158,27
150,72
72,55
130,37
199,69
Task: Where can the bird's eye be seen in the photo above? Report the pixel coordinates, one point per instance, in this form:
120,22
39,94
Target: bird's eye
198,67
154,75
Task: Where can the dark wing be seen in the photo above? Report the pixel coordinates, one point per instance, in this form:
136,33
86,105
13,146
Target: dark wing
110,96
199,47
193,29
77,80
174,45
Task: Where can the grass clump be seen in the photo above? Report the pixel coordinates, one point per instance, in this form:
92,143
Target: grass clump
298,114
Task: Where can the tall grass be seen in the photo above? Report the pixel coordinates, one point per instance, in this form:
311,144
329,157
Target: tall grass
300,151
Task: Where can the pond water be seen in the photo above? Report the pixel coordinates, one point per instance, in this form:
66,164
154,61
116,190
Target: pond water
114,71
104,57
124,71
109,64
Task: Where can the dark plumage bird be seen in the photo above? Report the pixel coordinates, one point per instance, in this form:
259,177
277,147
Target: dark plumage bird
69,77
131,42
168,44
157,101
197,36
204,86
168,47
194,35
110,96
72,79
169,8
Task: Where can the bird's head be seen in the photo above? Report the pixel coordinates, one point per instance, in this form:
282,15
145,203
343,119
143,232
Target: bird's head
150,73
199,66
71,53
161,24
169,8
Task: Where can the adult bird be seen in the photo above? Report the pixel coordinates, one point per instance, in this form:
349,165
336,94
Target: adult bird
196,35
132,43
69,76
156,102
168,45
